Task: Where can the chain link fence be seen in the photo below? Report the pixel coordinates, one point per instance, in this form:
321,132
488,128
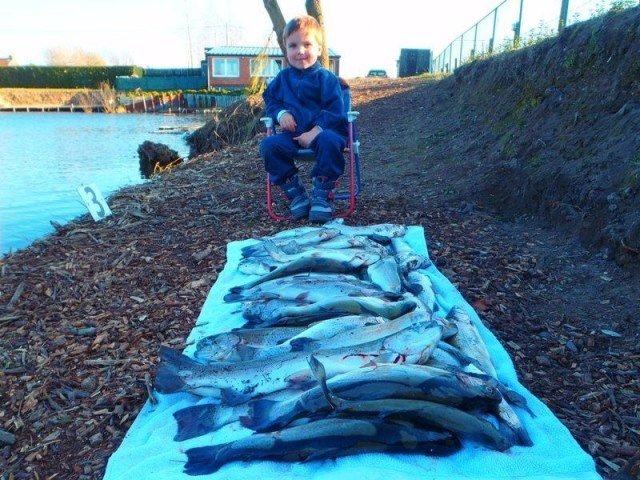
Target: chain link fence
518,23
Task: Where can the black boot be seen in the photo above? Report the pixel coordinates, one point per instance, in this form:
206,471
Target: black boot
321,210
295,192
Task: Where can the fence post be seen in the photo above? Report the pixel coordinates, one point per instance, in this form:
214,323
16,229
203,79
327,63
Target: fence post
450,53
493,34
475,38
461,45
564,11
516,30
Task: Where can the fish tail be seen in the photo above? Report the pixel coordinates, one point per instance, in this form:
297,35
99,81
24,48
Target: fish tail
318,370
514,398
234,296
250,250
273,250
167,379
195,421
203,460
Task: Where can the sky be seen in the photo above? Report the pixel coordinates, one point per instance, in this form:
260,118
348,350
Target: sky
367,34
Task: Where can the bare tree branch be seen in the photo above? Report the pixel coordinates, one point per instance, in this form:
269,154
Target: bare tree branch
277,20
314,8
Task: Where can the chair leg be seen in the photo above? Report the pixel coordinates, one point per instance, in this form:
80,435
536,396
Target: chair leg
272,213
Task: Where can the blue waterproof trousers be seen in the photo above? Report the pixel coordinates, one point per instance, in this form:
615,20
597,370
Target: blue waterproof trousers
279,151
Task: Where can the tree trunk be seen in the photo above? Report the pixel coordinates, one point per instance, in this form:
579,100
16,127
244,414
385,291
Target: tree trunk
277,20
314,8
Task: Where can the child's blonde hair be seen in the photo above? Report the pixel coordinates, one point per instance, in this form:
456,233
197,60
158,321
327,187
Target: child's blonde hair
303,22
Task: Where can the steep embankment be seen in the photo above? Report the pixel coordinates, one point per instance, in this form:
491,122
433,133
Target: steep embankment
563,116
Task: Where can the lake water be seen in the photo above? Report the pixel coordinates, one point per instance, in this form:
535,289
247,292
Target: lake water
45,157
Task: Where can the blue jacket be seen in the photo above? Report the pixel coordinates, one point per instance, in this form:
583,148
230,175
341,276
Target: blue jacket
313,96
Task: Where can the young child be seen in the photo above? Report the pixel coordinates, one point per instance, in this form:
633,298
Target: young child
306,100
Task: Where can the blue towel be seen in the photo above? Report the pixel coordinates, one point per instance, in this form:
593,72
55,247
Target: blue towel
148,451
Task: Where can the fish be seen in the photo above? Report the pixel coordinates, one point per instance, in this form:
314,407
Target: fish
278,312
385,274
345,253
323,439
424,411
301,238
197,420
511,426
385,230
329,261
297,245
223,346
240,381
308,288
469,341
408,259
337,336
447,354
418,382
317,332
257,265
420,285
462,423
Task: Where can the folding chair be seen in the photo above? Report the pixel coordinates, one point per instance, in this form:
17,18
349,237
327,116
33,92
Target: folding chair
352,172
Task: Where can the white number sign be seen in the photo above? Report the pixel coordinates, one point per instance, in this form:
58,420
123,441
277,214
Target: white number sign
94,201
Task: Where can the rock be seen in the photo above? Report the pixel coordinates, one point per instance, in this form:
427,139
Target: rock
156,157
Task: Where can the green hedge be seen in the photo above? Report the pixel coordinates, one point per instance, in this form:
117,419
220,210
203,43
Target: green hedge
63,77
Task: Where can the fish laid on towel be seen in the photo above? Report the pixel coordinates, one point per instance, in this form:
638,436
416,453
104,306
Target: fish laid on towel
382,230
368,383
385,273
279,312
406,381
331,261
222,347
323,439
416,382
407,257
272,255
302,239
279,256
308,288
240,345
418,411
238,382
346,337
420,285
469,341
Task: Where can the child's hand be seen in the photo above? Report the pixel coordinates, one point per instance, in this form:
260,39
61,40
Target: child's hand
306,138
288,123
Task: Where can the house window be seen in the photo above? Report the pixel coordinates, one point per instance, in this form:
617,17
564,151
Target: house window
226,67
265,68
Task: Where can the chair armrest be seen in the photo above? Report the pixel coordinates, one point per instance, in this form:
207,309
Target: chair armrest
352,115
268,121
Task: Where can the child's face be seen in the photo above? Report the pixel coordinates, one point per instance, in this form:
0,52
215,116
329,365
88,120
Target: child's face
303,49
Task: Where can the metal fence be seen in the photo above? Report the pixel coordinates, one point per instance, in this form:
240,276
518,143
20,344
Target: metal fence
517,23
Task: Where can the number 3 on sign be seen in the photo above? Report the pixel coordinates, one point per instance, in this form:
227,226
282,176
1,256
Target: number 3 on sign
94,201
